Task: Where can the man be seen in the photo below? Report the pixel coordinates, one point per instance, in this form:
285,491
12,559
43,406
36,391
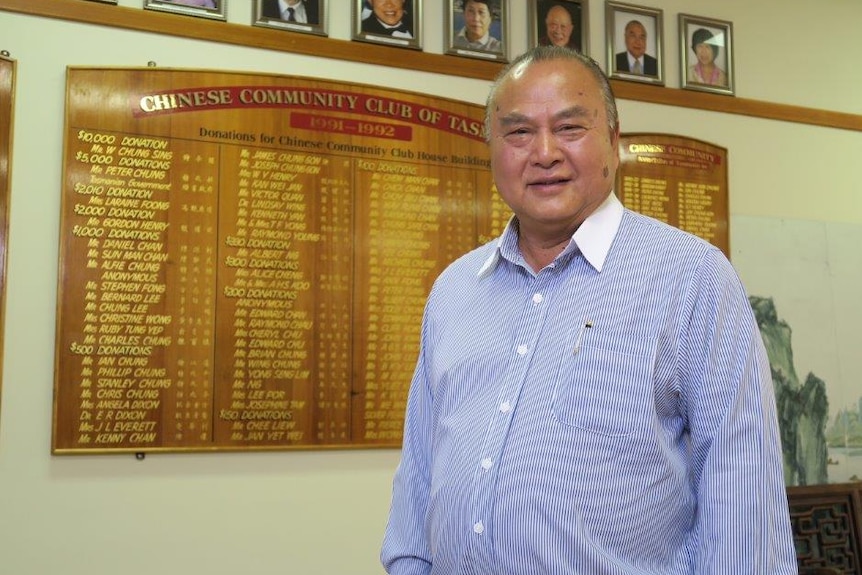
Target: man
300,11
476,33
388,18
592,395
635,60
559,28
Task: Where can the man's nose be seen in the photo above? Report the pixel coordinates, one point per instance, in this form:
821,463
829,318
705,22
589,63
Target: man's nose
546,148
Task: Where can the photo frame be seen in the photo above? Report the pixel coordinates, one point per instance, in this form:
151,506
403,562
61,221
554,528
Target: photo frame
375,21
559,22
304,16
706,54
485,37
638,28
213,9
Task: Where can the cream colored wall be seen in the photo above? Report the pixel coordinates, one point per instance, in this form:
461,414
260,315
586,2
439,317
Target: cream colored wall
324,512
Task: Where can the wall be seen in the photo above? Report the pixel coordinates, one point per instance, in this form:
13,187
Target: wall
324,512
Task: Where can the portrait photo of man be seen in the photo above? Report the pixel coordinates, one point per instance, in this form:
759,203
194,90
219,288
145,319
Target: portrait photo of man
298,11
559,23
476,28
634,59
387,18
634,43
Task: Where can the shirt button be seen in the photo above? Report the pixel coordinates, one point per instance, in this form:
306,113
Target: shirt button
487,463
478,527
505,407
522,349
537,298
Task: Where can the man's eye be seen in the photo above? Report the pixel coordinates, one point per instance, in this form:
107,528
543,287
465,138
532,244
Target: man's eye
571,130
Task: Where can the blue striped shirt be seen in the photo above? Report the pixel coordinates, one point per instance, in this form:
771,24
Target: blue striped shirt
612,414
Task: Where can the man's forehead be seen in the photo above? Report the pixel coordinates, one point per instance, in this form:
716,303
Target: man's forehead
570,92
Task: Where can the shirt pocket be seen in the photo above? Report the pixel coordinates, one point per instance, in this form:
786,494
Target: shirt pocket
605,382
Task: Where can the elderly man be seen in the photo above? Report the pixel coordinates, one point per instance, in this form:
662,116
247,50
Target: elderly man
635,60
592,395
476,33
559,29
299,11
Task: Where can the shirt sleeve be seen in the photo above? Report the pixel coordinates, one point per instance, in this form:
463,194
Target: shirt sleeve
406,549
742,522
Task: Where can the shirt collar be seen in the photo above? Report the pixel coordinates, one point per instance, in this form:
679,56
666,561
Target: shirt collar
593,237
480,42
298,8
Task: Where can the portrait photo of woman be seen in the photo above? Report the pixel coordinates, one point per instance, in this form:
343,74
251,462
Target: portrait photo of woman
706,54
706,48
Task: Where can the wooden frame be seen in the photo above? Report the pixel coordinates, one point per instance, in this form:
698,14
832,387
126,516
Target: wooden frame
405,24
635,27
8,75
199,8
715,37
827,526
492,46
555,29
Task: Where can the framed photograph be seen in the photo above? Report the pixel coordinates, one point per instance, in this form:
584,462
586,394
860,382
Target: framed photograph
306,16
634,41
213,9
476,29
706,53
392,22
559,22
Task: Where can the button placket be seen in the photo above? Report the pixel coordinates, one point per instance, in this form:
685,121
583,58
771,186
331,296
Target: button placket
528,327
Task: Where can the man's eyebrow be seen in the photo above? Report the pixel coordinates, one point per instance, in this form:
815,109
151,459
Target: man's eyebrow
569,113
513,118
573,112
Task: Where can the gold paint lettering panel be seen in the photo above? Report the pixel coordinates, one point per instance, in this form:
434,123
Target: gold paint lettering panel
245,259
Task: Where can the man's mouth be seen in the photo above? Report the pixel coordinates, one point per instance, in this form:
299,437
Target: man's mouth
548,182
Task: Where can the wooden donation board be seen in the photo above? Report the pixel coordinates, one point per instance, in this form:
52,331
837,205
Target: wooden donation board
7,116
245,258
677,180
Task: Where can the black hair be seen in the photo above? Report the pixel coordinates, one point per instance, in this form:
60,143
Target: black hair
703,36
490,3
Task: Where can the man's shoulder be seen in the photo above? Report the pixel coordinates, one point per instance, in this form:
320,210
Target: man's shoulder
466,268
373,26
657,232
